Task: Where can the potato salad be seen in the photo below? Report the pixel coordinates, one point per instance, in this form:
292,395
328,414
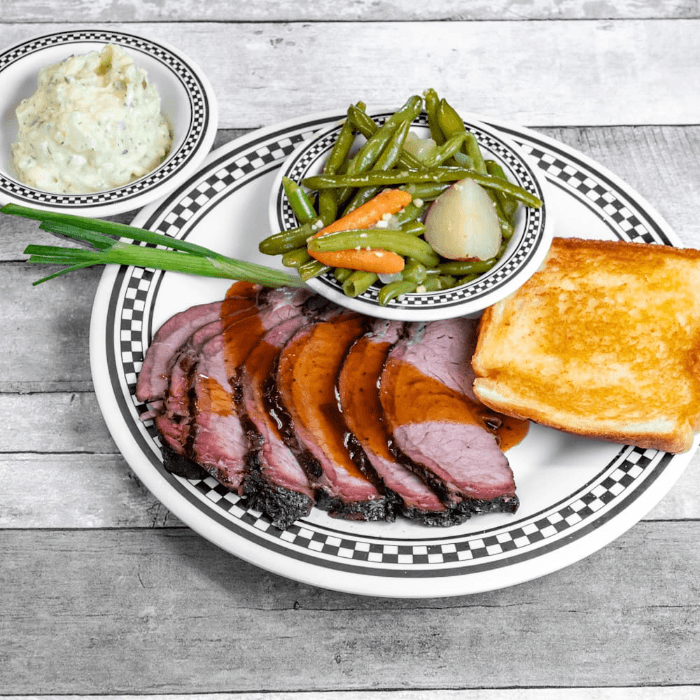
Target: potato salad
93,124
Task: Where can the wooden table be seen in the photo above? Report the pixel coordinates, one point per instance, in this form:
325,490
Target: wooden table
104,592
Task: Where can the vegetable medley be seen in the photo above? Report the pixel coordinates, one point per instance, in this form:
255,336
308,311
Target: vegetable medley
416,214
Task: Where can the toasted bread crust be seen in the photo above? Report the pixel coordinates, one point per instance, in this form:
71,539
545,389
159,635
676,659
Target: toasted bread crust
603,341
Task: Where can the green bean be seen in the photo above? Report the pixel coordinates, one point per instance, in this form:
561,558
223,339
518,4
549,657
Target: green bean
368,127
466,267
296,257
426,191
337,158
286,241
359,282
431,105
386,160
395,289
471,144
451,121
447,281
409,111
463,160
328,206
448,120
445,152
414,271
442,173
409,213
430,284
508,204
366,157
342,273
452,124
341,148
311,269
414,228
436,280
383,239
299,201
507,229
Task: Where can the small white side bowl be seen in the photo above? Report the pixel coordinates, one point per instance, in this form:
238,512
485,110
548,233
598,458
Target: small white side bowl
525,252
187,101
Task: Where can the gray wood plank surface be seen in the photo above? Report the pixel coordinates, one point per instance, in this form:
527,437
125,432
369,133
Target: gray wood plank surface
685,692
554,73
322,10
159,611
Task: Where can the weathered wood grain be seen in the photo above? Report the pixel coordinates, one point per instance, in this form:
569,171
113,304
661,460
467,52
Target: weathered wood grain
76,491
159,611
686,692
44,344
384,10
54,422
592,72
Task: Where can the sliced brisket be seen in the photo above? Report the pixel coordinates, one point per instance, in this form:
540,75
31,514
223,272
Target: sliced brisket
275,483
154,377
358,389
217,439
313,425
437,427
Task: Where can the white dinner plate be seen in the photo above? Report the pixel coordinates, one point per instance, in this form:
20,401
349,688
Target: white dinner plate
576,495
187,102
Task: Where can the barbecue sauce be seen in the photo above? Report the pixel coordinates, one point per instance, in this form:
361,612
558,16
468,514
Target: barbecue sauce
240,337
242,329
359,396
307,373
213,398
247,290
261,366
409,396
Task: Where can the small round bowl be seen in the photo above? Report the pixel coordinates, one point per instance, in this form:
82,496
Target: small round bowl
525,252
187,101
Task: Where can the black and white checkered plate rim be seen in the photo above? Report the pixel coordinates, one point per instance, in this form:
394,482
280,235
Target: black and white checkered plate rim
197,129
617,484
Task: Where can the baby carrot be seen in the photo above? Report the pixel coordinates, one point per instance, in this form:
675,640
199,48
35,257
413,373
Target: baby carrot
382,262
371,212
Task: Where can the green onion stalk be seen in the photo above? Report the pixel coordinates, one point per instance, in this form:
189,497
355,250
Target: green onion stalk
102,248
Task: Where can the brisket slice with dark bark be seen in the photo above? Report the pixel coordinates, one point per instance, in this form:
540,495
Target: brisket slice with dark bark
173,418
172,414
437,428
217,440
359,400
313,426
274,483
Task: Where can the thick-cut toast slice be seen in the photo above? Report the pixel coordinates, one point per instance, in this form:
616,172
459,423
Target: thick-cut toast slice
603,341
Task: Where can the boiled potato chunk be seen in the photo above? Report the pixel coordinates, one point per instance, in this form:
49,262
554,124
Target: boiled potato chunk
462,223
